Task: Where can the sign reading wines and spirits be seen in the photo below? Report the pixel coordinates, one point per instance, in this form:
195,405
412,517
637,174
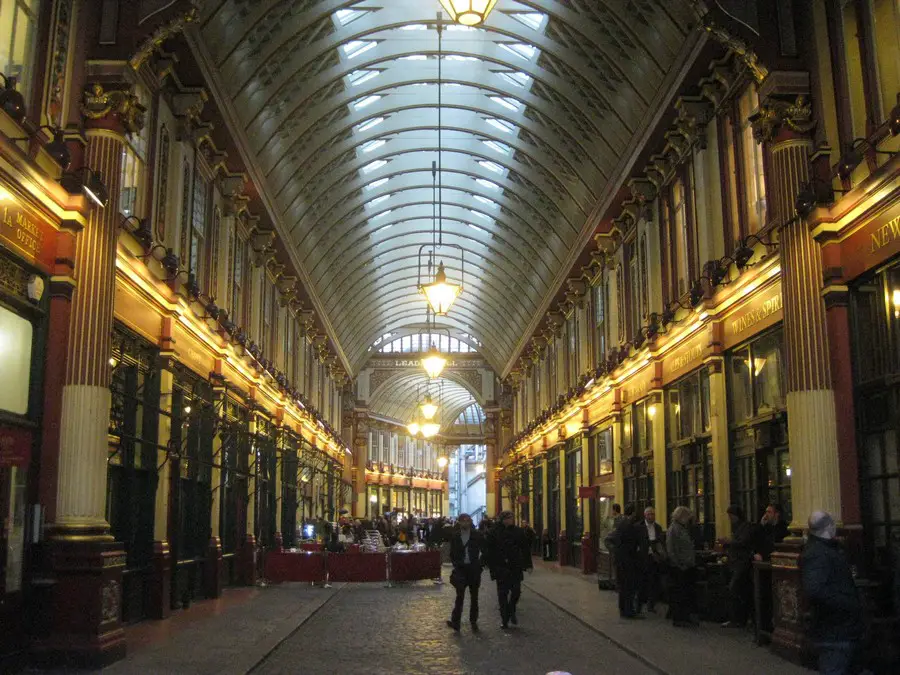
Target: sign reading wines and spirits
765,310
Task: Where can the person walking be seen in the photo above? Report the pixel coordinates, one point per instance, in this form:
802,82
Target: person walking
508,557
467,556
740,563
837,627
627,563
682,561
652,559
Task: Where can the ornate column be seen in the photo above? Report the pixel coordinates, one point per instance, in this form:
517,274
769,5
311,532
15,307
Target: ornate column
783,123
213,570
87,563
159,601
563,535
660,476
618,468
247,551
492,481
718,424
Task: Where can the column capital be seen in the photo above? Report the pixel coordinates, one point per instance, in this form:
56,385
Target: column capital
784,106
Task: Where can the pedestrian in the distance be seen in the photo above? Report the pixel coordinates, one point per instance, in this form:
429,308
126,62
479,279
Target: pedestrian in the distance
652,553
466,554
508,556
627,557
837,627
682,561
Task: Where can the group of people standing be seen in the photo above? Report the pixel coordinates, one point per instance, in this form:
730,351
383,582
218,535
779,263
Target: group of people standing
645,555
503,548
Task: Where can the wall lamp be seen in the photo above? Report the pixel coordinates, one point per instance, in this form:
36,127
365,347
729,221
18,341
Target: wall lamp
813,193
88,182
139,228
744,251
854,151
894,119
11,99
56,148
170,264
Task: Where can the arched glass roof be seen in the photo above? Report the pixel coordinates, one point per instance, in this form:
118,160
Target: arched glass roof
540,109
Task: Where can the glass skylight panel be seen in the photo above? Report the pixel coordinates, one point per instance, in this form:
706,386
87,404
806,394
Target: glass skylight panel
384,227
520,49
368,124
490,185
460,57
377,200
376,183
356,47
414,26
413,57
481,215
381,215
516,78
459,27
366,101
502,125
357,77
502,148
488,202
372,145
491,166
507,102
531,19
345,16
371,166
477,229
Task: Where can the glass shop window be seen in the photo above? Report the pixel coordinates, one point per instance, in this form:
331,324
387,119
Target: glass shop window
603,452
756,374
134,159
16,337
18,28
688,407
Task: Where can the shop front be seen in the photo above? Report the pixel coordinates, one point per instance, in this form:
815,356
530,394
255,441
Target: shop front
574,523
639,412
690,479
27,239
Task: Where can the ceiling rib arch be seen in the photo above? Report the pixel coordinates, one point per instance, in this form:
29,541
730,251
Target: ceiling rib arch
560,93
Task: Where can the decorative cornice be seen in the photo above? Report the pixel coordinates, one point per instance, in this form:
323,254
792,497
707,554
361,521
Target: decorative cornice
155,40
123,104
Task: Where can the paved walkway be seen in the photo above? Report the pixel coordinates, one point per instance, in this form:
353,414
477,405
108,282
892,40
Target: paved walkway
670,650
566,624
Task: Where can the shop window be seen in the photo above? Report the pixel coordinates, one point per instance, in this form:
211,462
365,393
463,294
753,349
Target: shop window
537,498
289,481
752,165
602,451
265,460
198,236
600,327
16,341
18,28
760,457
688,457
234,438
680,237
574,514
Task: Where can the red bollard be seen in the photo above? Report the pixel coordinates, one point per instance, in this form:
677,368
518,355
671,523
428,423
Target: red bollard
563,549
588,554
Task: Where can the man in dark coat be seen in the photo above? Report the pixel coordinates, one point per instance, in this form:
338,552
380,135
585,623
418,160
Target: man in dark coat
772,530
466,554
837,615
652,557
627,557
740,563
508,556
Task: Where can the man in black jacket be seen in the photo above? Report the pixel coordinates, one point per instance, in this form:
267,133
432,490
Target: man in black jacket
508,556
466,554
837,615
740,563
652,558
627,557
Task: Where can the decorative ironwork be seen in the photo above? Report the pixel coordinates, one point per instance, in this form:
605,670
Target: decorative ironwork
99,103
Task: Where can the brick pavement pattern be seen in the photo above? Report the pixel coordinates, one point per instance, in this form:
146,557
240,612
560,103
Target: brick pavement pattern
372,630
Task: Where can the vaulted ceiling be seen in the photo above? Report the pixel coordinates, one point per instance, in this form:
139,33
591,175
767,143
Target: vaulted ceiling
400,396
337,102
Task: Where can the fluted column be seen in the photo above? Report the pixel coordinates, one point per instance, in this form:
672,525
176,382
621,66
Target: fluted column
812,430
84,424
660,475
718,423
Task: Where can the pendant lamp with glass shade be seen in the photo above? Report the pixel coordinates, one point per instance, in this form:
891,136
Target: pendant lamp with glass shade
430,429
428,408
440,293
468,12
433,362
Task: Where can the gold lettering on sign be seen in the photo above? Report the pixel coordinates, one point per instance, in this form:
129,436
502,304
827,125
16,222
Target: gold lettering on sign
22,230
689,356
754,316
885,234
635,391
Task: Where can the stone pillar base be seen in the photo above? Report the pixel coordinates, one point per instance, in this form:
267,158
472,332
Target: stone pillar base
247,562
214,569
789,638
159,600
86,607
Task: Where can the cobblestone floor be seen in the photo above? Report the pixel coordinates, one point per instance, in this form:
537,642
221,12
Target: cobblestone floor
370,629
565,624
